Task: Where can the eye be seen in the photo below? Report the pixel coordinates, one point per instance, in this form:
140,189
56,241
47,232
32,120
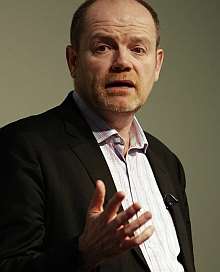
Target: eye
102,48
139,50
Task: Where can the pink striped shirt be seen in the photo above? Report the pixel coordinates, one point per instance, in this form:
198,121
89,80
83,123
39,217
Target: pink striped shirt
133,175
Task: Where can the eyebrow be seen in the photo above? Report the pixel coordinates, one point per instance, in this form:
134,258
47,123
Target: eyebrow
109,37
137,39
105,37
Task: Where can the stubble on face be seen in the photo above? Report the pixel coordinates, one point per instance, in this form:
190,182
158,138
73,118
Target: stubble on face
116,100
93,75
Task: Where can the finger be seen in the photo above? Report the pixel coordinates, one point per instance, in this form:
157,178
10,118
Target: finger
123,217
113,206
98,198
129,229
129,243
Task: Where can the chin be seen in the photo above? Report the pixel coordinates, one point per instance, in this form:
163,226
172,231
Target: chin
120,107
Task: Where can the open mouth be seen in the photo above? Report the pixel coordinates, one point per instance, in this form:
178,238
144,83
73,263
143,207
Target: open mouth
120,84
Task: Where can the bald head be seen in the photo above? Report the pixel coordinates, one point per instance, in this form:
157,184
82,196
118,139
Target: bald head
102,7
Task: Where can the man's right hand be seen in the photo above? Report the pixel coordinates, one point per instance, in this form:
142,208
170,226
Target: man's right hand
108,233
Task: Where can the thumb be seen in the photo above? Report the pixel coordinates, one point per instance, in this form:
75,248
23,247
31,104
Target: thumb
98,198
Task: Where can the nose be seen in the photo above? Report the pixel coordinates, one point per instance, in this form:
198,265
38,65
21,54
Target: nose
121,62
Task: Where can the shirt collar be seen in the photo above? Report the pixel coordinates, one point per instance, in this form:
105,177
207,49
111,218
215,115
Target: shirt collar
102,132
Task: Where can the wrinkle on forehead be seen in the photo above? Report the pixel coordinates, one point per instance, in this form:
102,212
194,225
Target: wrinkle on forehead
118,25
107,25
122,18
120,31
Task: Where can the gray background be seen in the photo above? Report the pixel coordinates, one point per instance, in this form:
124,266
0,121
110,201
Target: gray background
182,110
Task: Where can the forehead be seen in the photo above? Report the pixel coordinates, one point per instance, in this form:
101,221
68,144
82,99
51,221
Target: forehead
124,17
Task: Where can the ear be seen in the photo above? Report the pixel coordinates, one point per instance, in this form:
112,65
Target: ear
71,57
159,62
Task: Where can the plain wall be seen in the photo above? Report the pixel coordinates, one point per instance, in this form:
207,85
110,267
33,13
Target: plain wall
182,109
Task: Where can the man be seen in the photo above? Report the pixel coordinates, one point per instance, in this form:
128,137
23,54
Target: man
82,187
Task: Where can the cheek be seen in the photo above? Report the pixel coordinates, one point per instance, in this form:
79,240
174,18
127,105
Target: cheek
146,78
97,72
98,66
147,73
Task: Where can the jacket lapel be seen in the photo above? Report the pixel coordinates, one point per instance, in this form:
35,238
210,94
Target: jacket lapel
93,161
84,145
166,186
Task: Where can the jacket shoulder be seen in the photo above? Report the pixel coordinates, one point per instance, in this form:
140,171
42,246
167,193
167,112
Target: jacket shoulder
32,124
158,146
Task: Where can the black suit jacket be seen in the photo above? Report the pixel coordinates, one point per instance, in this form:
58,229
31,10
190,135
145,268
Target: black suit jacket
48,167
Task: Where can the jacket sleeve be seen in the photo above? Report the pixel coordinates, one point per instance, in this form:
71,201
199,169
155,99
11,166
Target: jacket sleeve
23,212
